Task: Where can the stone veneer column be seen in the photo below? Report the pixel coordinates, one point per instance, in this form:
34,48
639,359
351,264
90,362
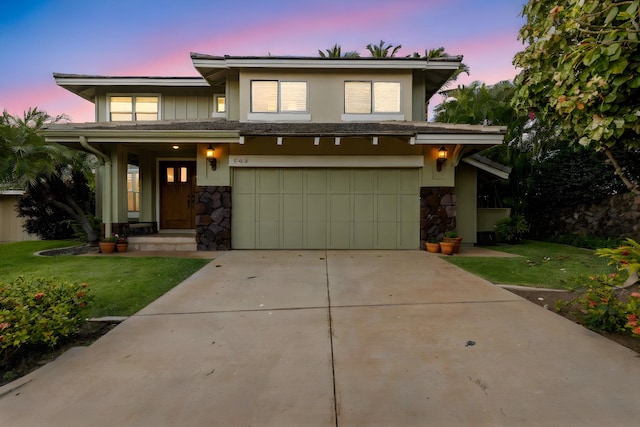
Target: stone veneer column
213,218
437,212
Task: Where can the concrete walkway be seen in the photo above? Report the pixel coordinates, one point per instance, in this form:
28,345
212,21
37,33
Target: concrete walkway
335,338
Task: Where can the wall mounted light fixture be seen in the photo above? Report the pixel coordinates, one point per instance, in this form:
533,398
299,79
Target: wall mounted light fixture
211,157
442,158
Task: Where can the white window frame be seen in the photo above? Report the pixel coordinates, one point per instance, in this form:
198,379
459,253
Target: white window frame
371,115
279,114
133,103
216,112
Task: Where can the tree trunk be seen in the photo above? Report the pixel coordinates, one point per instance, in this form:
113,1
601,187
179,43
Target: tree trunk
633,187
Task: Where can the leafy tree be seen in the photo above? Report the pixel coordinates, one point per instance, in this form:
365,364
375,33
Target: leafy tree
54,177
441,53
336,52
383,50
581,72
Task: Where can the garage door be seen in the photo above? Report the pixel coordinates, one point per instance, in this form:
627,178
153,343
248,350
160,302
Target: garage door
298,208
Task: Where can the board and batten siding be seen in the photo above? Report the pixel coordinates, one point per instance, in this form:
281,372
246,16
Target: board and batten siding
175,103
11,229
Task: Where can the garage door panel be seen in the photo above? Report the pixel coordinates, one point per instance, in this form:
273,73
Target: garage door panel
339,181
315,235
363,207
292,235
408,181
268,180
339,207
410,207
409,235
316,208
268,235
315,181
387,181
339,235
363,235
387,235
268,208
387,207
244,181
363,181
292,181
292,207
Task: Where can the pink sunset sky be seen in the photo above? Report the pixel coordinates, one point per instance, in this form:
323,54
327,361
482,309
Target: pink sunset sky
140,37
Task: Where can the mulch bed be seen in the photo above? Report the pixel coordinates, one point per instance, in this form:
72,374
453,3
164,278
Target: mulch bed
30,358
547,299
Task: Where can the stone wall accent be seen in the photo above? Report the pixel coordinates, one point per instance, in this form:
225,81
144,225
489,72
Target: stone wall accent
615,216
437,212
213,218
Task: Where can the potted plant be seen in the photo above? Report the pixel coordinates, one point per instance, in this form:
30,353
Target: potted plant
452,236
122,244
432,245
447,247
108,244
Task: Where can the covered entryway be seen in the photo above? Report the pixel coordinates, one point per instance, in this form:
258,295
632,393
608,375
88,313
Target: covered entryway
177,194
325,208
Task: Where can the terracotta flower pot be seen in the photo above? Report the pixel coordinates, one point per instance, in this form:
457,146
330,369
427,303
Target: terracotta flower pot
107,247
433,247
122,247
447,247
456,241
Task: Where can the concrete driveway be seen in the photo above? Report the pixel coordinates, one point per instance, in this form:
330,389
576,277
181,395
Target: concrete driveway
335,338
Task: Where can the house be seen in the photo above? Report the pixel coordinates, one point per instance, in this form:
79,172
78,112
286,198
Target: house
282,152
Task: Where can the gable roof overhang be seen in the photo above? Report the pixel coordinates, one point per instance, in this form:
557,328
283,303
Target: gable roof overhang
85,85
159,136
436,71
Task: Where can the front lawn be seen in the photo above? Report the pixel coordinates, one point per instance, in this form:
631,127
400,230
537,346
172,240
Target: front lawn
540,264
121,285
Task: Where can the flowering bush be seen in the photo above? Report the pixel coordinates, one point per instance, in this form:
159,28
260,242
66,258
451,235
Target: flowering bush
39,311
633,314
626,257
600,307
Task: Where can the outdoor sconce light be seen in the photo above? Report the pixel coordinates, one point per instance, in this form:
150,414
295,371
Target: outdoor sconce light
211,158
442,158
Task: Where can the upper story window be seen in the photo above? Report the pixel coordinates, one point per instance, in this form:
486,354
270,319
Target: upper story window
220,104
371,97
272,96
127,108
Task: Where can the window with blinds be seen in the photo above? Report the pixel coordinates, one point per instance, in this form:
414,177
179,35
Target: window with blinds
272,96
133,108
371,97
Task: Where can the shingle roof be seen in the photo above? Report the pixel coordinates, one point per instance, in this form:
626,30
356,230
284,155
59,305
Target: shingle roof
286,129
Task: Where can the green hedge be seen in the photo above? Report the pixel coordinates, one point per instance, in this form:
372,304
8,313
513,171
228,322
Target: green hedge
39,311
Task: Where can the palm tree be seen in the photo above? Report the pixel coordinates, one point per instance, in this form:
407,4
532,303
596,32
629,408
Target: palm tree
382,50
336,52
441,53
28,162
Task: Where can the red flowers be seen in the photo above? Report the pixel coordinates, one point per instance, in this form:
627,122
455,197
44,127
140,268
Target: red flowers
4,325
39,295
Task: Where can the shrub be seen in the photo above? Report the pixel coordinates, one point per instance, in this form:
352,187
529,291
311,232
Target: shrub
626,256
512,229
39,311
600,308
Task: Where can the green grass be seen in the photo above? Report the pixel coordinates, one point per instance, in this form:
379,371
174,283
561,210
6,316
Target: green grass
541,264
121,285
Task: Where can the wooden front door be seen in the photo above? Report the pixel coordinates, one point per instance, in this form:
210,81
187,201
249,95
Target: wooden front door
177,194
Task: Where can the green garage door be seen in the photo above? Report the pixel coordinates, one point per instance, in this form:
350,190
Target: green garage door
298,208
